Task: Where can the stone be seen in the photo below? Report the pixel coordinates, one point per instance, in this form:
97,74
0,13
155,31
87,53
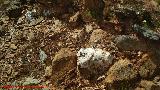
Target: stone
97,35
13,46
147,33
42,55
31,35
121,71
127,42
147,67
48,71
74,18
63,62
148,85
88,28
93,61
139,88
29,15
21,20
31,81
157,80
36,21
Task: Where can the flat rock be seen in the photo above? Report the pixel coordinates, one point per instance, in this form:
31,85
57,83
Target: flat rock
127,42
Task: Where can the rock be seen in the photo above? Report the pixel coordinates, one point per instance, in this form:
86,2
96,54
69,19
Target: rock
29,15
148,85
139,88
48,71
157,81
42,55
31,35
63,62
147,67
121,71
89,28
32,18
21,20
127,42
147,33
13,46
31,81
97,36
74,18
93,61
36,21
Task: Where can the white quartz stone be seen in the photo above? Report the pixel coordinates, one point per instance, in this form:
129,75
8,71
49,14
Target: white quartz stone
87,57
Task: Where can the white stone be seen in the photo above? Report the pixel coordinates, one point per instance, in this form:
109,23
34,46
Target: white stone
42,55
87,57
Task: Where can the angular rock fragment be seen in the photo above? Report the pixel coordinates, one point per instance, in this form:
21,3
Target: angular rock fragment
42,55
157,80
147,67
93,61
97,35
63,62
121,71
48,71
13,46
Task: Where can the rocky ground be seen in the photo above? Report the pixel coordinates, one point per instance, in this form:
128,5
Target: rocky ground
41,42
